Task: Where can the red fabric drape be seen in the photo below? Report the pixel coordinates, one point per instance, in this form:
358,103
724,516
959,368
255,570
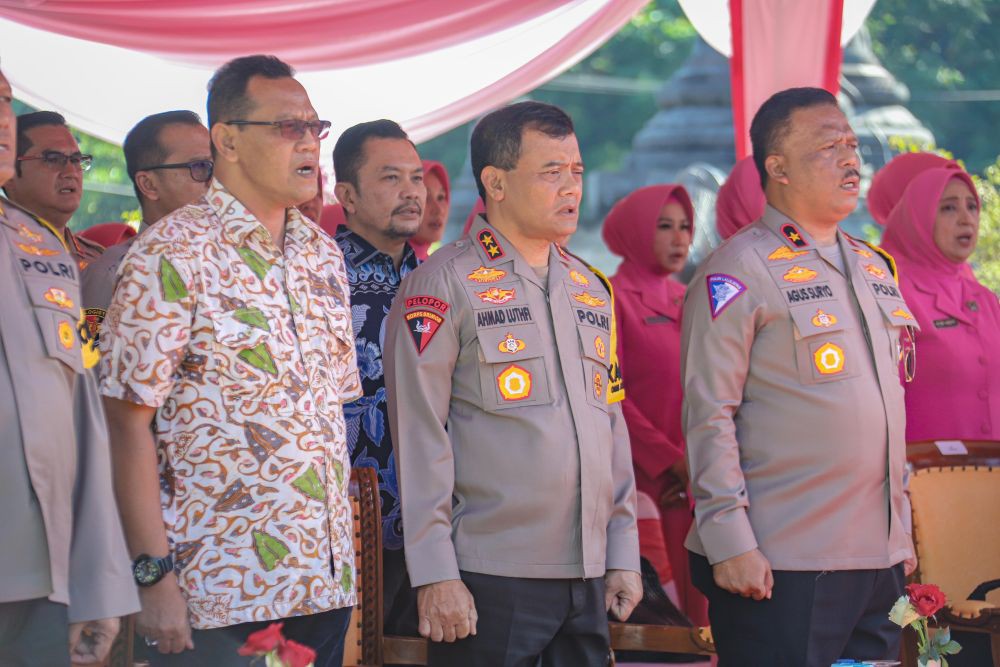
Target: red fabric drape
313,34
780,44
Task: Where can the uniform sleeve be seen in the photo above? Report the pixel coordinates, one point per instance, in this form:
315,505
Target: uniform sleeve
100,576
652,450
715,358
148,325
420,356
623,532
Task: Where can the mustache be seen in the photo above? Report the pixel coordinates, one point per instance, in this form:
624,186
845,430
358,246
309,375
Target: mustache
852,173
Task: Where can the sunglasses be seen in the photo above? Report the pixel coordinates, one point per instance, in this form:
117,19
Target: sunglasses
57,160
201,170
292,129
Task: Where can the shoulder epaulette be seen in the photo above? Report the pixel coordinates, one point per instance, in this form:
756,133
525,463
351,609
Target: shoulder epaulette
616,387
6,203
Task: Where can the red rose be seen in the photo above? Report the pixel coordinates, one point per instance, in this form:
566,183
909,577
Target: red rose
927,599
263,641
294,654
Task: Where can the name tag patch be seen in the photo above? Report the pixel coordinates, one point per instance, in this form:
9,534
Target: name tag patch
498,317
816,293
886,290
722,291
599,320
946,323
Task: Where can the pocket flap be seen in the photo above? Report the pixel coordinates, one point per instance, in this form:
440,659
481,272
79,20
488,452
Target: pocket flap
813,319
595,345
504,344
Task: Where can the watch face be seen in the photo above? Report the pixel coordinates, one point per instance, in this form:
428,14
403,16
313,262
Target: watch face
146,572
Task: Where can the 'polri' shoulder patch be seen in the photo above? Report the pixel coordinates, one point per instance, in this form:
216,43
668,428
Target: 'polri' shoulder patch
722,291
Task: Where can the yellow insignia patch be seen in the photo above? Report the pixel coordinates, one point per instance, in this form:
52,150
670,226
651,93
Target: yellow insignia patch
589,299
899,312
598,385
784,252
58,297
600,348
26,233
864,253
799,274
514,383
579,278
484,275
823,319
496,295
875,271
829,359
36,251
511,345
66,335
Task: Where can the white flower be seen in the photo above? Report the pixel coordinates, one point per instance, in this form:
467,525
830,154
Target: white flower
903,613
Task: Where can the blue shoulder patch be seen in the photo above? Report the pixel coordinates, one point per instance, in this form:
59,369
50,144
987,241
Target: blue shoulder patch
722,291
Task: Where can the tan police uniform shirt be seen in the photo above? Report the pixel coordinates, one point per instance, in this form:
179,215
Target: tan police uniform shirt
62,535
793,406
511,460
97,284
84,250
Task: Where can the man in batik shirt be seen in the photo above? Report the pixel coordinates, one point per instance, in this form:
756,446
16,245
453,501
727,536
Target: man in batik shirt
230,331
380,185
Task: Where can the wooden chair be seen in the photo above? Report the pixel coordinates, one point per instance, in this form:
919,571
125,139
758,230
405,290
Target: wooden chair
956,532
367,647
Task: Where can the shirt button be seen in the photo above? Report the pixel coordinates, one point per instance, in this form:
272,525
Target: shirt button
985,428
982,360
983,394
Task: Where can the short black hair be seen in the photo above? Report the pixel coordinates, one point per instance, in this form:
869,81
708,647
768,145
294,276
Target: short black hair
496,139
227,89
349,153
142,145
770,123
29,121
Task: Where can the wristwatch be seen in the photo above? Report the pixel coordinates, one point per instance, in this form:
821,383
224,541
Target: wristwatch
147,570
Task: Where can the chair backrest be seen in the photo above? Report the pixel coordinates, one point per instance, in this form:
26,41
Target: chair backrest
956,526
363,645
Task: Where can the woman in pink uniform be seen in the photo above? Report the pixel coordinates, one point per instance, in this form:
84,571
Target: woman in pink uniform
889,183
932,231
651,229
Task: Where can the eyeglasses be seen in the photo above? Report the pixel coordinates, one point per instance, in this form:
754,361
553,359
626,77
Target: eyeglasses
57,160
292,129
201,170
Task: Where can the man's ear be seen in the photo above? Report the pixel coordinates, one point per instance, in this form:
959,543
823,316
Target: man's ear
774,165
147,186
224,140
494,182
347,196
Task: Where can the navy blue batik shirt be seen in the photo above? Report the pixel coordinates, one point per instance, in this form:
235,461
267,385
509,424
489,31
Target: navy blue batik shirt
374,280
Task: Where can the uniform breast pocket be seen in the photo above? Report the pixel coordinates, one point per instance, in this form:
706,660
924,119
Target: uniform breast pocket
821,350
56,307
512,368
595,353
248,371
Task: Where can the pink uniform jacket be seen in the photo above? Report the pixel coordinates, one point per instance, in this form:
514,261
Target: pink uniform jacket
648,315
955,394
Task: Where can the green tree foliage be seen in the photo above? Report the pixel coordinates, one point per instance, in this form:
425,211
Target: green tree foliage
944,47
986,261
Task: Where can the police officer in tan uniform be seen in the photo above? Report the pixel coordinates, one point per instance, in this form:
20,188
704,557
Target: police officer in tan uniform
513,459
793,414
48,178
169,159
65,572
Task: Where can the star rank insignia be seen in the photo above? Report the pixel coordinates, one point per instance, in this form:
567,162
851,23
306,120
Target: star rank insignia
490,245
